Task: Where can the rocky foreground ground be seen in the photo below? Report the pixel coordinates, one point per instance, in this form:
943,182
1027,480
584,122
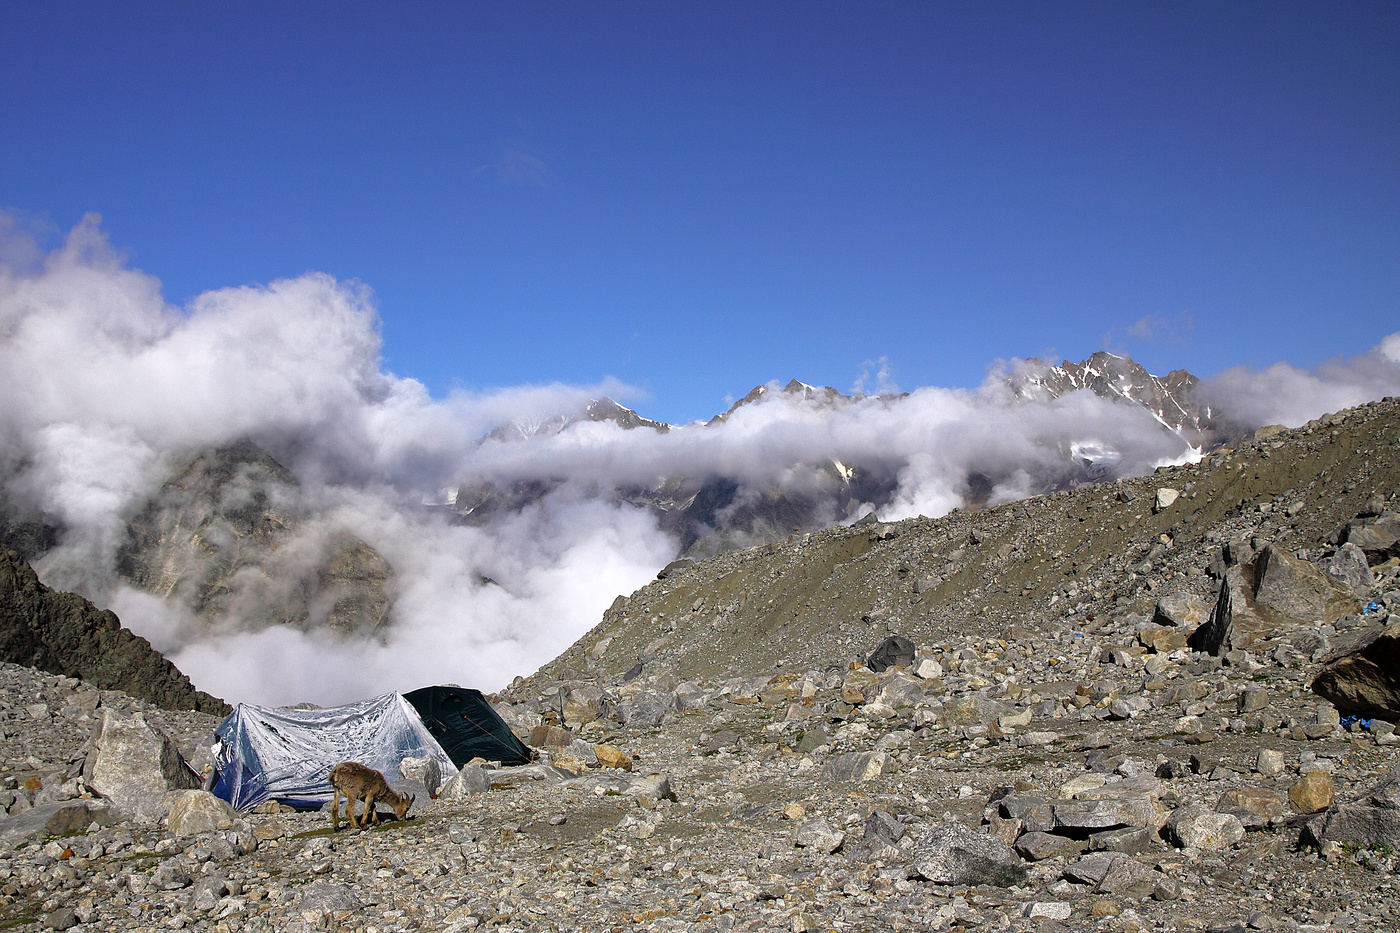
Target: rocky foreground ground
1137,747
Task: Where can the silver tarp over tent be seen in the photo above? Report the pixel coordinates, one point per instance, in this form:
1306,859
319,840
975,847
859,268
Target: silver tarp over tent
286,754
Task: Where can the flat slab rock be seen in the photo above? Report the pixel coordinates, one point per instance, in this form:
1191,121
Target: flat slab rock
1112,873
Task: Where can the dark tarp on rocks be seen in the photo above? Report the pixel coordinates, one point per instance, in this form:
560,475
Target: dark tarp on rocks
466,726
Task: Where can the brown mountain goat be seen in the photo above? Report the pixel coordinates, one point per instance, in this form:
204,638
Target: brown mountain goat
355,781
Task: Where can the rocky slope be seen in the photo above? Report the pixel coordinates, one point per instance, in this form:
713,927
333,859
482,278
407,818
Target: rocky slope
64,634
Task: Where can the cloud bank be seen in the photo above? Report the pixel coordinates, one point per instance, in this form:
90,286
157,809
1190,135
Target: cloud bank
109,389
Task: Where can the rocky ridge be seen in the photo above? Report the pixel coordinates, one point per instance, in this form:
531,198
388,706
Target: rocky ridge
64,634
713,514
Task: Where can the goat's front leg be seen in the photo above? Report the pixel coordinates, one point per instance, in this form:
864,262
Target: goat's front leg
372,811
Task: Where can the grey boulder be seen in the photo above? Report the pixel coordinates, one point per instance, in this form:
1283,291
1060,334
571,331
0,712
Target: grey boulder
950,853
135,765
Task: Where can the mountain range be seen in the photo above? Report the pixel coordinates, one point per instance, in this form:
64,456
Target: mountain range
229,541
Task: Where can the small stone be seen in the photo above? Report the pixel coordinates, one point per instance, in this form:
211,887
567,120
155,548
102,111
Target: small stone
1050,910
855,766
571,763
794,811
1252,699
1127,841
818,834
1312,793
62,919
1269,761
928,669
610,756
425,770
1037,846
1166,889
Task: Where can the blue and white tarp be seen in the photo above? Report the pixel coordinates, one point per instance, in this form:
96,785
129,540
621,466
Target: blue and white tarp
287,754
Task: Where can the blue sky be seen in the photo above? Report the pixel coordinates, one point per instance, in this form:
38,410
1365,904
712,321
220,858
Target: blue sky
697,197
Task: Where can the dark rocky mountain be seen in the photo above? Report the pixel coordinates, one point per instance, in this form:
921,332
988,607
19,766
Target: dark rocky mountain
63,633
222,529
1172,398
28,533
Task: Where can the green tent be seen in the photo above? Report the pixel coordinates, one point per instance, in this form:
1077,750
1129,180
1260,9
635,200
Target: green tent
466,726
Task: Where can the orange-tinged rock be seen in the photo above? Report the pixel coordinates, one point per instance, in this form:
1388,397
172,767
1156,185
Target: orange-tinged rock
1313,792
610,756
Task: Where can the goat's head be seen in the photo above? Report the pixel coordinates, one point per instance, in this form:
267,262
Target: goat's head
401,805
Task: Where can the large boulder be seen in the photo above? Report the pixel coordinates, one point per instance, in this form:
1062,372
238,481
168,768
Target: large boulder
1182,611
135,765
1273,594
1349,565
1365,679
1299,589
1233,622
950,853
893,650
1379,537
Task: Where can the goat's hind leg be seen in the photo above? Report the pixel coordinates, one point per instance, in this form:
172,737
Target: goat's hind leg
335,810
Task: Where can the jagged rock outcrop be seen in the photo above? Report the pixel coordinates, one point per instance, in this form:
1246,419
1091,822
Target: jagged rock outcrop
1271,594
227,529
63,633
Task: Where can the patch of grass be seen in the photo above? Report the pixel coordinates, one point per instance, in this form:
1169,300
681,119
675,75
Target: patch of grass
21,919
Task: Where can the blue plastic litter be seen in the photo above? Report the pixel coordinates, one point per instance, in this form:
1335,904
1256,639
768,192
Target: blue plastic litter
1349,719
1372,608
